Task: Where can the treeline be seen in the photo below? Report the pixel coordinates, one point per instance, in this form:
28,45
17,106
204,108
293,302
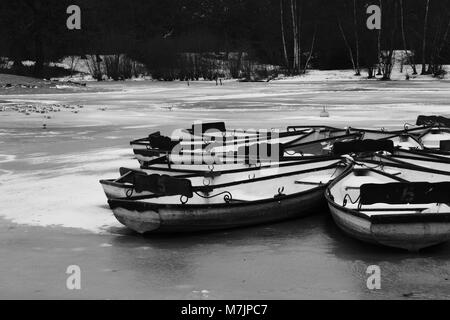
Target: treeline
191,39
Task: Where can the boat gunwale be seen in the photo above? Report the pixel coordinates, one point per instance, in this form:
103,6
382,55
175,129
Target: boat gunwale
165,161
429,153
393,132
283,164
405,165
205,174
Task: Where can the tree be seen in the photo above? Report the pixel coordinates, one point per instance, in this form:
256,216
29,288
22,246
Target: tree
283,37
405,46
424,40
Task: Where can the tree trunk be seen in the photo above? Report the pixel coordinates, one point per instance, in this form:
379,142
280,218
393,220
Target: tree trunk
350,51
283,37
405,46
295,64
299,30
379,73
370,73
444,40
424,43
311,49
355,22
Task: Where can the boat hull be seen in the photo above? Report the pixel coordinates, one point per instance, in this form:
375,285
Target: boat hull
413,235
146,218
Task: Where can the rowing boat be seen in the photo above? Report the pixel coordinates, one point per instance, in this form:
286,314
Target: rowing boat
124,186
265,199
148,149
307,145
397,206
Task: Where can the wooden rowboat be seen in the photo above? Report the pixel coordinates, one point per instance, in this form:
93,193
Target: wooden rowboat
309,145
155,146
185,208
401,207
124,187
200,136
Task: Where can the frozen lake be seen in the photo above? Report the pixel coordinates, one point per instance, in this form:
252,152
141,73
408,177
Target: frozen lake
54,213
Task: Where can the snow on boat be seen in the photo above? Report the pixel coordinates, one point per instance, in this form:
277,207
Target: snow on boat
401,207
124,187
185,208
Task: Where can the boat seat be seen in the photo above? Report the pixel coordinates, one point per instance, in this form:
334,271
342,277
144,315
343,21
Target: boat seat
396,211
355,182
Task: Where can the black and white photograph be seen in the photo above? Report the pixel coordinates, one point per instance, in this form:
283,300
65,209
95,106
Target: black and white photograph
224,154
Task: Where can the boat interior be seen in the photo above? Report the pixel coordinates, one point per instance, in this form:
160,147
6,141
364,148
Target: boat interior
255,188
346,191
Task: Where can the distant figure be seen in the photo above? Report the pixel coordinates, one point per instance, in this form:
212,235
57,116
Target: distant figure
220,81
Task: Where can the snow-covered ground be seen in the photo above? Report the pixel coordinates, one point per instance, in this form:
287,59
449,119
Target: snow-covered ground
398,73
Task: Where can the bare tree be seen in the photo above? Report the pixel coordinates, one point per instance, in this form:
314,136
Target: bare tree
296,62
349,48
424,40
440,40
405,46
379,73
355,22
283,37
311,50
94,64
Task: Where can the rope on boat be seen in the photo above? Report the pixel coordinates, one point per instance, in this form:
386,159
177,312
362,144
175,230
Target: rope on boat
347,196
227,196
129,192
